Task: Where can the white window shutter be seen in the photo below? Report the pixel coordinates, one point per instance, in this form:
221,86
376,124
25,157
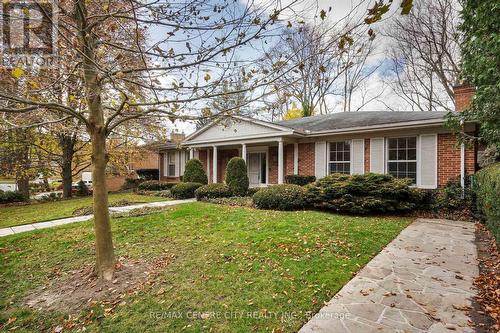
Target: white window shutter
377,155
427,161
320,159
177,164
358,156
182,161
165,164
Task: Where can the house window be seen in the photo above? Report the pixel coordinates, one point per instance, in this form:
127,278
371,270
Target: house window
340,157
402,158
171,164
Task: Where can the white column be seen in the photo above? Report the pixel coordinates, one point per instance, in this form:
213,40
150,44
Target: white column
191,153
280,162
208,164
295,158
214,167
244,151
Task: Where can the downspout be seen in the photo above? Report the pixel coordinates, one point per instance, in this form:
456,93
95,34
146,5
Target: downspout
462,164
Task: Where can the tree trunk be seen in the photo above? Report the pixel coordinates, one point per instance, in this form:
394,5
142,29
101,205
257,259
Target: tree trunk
23,186
105,263
67,179
104,241
68,150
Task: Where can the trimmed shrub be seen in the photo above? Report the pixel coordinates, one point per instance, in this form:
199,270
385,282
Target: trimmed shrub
252,190
424,199
299,179
11,196
237,177
154,185
131,184
212,191
194,173
83,189
281,197
184,190
487,192
362,194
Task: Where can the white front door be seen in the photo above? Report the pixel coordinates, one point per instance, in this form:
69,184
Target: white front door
257,169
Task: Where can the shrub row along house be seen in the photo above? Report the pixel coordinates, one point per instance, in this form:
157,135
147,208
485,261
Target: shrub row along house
414,145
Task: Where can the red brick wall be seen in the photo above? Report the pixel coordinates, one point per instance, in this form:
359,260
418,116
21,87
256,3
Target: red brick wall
202,156
223,157
114,183
449,159
289,159
306,159
367,155
273,165
463,96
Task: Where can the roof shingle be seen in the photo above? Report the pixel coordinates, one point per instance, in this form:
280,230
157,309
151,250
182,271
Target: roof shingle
344,120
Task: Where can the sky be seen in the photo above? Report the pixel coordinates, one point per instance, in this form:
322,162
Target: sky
309,10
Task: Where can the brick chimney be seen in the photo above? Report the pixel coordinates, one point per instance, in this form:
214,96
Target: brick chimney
177,137
463,96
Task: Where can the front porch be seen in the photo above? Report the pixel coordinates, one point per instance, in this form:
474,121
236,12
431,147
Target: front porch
270,151
267,162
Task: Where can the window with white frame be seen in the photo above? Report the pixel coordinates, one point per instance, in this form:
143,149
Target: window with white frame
402,157
171,164
339,157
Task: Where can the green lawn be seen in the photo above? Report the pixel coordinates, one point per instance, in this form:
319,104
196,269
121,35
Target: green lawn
230,262
38,212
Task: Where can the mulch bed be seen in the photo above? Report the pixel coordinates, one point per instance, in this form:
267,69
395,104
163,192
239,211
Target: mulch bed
81,289
486,314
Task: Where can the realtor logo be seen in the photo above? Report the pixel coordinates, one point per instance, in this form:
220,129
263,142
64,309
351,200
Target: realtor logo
28,33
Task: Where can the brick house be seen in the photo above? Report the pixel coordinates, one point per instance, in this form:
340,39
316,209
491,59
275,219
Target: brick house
413,145
172,157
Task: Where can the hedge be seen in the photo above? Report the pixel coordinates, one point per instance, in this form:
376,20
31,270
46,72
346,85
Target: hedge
487,191
154,185
184,190
363,194
252,190
194,173
237,177
212,191
299,179
11,196
281,197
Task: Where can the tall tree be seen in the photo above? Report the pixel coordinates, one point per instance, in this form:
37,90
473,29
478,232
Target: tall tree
481,68
193,42
424,53
307,57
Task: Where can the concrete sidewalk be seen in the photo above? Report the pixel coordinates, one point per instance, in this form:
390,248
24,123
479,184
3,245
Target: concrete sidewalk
421,282
49,224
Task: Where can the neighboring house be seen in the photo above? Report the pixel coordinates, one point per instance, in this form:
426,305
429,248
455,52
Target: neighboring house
172,158
148,160
413,145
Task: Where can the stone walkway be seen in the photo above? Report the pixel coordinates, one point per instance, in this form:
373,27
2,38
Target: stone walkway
49,224
421,282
